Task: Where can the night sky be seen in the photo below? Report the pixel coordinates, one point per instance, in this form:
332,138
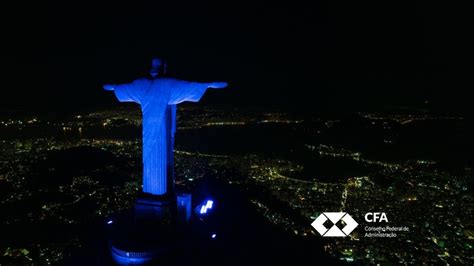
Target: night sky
330,55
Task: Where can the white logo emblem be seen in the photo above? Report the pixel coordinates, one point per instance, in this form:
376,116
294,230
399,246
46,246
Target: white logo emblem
334,217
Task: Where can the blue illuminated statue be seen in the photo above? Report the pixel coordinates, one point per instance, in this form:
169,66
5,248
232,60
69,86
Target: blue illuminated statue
158,97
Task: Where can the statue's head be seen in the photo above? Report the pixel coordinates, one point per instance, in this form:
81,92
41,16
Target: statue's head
158,67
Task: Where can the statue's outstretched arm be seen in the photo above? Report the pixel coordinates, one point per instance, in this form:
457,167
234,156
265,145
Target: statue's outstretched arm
108,87
217,85
128,92
189,91
127,86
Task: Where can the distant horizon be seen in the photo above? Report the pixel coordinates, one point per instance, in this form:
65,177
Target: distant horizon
393,109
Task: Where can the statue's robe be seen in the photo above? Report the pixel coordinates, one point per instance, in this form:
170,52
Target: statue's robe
158,99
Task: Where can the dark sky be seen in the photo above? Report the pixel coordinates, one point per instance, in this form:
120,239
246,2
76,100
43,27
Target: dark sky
329,54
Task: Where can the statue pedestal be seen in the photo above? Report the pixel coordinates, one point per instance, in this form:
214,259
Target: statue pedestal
154,208
150,231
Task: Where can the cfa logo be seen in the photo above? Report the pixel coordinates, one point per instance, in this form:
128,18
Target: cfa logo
372,217
334,217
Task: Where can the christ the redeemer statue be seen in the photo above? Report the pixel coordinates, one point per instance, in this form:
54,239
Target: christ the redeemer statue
158,97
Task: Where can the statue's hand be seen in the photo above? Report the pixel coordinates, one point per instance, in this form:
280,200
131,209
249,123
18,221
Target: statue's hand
108,87
217,85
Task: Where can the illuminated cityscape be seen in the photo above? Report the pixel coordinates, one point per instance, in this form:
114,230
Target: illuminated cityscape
302,169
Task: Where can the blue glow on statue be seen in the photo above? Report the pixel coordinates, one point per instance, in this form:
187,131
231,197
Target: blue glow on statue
158,97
